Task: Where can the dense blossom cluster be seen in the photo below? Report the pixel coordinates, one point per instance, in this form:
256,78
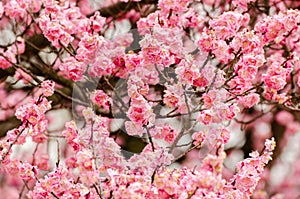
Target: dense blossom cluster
153,87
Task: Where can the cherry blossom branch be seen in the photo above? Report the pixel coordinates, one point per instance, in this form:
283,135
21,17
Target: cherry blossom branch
12,144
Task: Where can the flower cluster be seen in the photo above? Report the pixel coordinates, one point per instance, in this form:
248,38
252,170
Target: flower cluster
149,99
140,111
34,112
102,100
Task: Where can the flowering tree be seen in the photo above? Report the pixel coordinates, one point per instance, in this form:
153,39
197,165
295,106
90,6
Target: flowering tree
149,99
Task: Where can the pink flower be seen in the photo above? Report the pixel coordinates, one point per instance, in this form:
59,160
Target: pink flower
172,95
222,51
73,68
6,59
33,113
209,98
17,9
205,117
276,82
250,100
227,24
97,22
71,131
48,88
19,46
71,162
85,160
140,111
102,100
43,162
133,128
170,134
27,171
136,86
198,138
200,81
249,171
17,135
178,6
270,144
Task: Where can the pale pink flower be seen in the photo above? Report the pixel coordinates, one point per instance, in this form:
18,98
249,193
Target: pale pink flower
199,138
102,100
205,117
73,69
48,88
249,100
133,128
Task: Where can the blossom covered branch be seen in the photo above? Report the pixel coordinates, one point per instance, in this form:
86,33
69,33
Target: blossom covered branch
147,99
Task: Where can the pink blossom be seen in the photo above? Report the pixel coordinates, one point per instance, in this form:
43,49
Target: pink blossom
97,22
250,100
71,162
276,82
71,131
148,74
102,100
102,65
208,40
88,46
198,138
17,135
19,46
85,160
27,171
227,24
200,81
249,170
205,117
168,133
178,6
140,111
179,101
73,69
132,61
39,131
7,58
17,10
247,41
48,88
172,95
43,162
33,112
209,98
222,52
270,144
133,128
